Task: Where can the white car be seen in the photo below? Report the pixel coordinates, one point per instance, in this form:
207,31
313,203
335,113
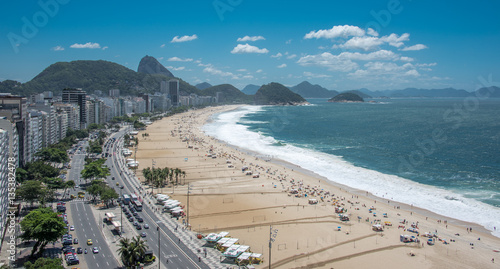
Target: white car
72,228
95,250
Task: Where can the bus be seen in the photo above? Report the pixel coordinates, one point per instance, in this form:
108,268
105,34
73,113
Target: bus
134,197
138,206
126,199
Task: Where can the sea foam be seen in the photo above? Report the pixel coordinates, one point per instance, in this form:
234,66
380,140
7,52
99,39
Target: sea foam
229,127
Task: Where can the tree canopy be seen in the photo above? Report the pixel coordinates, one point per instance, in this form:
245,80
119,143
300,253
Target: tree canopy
44,226
45,263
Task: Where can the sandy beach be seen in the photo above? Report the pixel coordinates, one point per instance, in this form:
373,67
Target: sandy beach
224,198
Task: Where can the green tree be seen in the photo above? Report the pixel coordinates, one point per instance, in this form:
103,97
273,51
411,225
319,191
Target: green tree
44,226
108,194
31,191
132,251
45,263
95,170
51,154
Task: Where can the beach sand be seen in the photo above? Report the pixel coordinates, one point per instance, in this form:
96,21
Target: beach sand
224,198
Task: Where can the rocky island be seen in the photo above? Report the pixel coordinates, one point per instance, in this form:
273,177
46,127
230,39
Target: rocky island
277,94
346,97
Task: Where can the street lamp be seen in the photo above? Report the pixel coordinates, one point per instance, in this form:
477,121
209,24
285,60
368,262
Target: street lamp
187,220
121,216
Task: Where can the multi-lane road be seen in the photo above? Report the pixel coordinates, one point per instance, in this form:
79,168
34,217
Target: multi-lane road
86,227
174,254
172,249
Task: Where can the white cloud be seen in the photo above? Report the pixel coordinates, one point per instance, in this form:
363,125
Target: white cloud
214,71
395,40
426,65
332,62
371,32
177,59
242,70
250,38
312,75
160,58
58,48
105,47
259,71
343,31
162,46
185,38
362,42
277,55
289,41
415,47
291,56
385,70
88,45
281,66
385,55
248,49
176,68
406,59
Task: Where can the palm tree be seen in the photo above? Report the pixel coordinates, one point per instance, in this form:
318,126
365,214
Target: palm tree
177,171
184,176
124,249
139,248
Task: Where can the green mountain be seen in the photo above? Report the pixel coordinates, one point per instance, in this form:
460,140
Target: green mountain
203,85
250,89
230,94
307,90
149,65
92,76
277,94
360,93
346,97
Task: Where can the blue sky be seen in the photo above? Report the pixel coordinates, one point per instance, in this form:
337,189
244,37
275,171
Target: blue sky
340,45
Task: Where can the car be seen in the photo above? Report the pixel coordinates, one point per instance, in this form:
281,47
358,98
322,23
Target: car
143,234
95,250
146,226
125,210
75,241
89,242
113,178
131,219
138,227
121,187
72,228
139,219
79,250
135,214
77,186
136,223
128,215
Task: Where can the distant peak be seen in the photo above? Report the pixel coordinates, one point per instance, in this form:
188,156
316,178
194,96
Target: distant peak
149,65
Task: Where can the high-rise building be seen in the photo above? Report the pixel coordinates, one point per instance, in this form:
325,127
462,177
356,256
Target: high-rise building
34,137
73,112
114,93
173,92
77,96
14,108
4,179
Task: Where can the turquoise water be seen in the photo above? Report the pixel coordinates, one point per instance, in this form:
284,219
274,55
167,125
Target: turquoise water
442,154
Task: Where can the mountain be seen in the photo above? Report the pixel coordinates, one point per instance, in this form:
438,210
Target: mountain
250,89
347,97
277,94
230,94
307,90
414,92
92,76
488,92
360,93
203,85
149,65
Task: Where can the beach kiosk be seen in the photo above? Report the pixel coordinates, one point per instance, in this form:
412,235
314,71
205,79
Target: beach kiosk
234,251
213,237
378,228
109,216
116,225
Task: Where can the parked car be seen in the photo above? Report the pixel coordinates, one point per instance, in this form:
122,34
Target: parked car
146,226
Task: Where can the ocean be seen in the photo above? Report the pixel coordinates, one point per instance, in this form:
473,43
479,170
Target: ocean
439,154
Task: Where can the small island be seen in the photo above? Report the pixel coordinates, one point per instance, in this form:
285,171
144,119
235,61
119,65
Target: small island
277,94
346,97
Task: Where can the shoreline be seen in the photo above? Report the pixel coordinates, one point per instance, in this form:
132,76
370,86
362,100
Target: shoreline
218,189
422,211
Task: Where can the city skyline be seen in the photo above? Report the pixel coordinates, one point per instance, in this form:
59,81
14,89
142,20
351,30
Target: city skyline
361,44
